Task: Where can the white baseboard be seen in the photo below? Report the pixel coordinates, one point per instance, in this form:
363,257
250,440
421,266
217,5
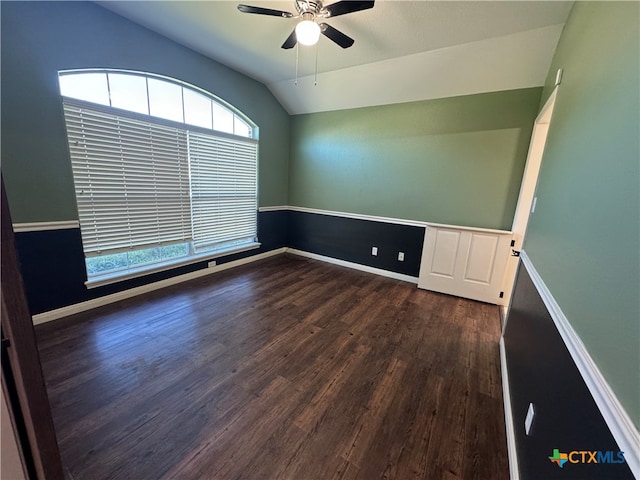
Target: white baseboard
514,473
356,266
620,424
504,310
115,297
132,292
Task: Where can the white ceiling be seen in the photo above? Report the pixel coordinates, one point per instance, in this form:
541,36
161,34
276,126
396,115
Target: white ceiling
403,51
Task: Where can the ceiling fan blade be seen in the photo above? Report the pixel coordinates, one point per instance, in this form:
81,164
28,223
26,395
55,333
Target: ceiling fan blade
347,6
336,35
264,11
291,41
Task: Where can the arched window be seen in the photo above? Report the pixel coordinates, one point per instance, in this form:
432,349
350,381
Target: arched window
164,172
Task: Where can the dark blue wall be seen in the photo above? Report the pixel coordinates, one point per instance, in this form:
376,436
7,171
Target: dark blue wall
351,240
541,371
54,273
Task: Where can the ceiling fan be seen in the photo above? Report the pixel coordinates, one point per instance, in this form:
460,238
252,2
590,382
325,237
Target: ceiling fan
308,31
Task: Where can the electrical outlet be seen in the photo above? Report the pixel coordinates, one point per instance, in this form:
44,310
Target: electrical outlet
528,421
212,263
374,251
401,256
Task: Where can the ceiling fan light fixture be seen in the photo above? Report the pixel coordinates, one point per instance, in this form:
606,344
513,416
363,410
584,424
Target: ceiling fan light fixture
308,32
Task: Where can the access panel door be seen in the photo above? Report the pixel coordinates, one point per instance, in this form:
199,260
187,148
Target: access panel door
465,262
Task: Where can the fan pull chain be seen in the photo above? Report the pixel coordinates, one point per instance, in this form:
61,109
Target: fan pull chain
315,79
297,49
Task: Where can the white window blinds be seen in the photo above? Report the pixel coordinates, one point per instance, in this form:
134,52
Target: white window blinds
141,184
131,178
223,189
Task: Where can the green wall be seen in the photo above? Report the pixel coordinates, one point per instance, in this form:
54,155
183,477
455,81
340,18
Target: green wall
455,160
584,236
40,38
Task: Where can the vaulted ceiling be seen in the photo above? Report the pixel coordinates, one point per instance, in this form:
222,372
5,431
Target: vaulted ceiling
403,51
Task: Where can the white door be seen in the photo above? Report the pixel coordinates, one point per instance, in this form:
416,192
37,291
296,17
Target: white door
465,262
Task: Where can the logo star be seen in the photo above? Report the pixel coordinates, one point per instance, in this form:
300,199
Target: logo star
559,458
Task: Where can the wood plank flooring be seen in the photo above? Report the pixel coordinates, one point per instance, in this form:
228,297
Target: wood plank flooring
286,368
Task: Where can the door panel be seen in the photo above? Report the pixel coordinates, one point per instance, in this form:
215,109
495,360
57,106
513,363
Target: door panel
464,262
482,254
446,251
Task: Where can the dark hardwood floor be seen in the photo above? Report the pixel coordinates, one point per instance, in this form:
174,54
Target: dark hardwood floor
286,368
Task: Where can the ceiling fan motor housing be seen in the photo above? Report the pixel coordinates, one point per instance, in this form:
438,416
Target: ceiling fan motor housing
309,7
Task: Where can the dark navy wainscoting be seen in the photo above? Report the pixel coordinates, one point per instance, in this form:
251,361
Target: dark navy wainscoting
53,264
351,240
53,260
542,371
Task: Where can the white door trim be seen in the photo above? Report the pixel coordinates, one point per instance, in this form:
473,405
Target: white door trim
527,197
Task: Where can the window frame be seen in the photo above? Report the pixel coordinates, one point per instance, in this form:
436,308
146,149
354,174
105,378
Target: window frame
216,100
192,257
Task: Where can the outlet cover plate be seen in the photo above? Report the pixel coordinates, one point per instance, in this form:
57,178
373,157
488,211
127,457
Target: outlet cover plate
528,421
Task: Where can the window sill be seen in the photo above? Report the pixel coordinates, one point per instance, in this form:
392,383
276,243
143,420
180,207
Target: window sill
109,278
